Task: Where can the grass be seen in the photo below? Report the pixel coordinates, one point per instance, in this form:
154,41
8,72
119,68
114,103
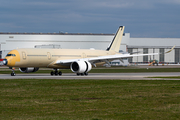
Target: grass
106,70
169,77
89,99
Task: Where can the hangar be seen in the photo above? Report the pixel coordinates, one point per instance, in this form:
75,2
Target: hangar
9,41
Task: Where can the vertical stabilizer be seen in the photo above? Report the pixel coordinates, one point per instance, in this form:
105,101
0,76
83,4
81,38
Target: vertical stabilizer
116,42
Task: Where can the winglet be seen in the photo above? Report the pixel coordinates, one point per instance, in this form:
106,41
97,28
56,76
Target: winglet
116,42
170,49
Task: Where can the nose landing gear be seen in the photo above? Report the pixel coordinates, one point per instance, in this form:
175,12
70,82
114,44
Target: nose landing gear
13,73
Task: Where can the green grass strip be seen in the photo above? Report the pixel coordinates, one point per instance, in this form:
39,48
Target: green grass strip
169,77
89,99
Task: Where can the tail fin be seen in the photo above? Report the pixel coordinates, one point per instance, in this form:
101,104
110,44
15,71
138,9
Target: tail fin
116,42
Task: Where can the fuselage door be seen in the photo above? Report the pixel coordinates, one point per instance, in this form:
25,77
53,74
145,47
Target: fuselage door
24,55
83,55
49,55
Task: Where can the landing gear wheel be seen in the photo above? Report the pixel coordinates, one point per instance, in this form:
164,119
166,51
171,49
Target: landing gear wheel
86,73
60,73
52,73
13,74
56,73
82,74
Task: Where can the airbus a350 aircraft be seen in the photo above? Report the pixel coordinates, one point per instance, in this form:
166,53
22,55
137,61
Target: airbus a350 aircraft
80,61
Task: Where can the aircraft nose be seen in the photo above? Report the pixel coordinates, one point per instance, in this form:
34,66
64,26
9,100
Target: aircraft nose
5,61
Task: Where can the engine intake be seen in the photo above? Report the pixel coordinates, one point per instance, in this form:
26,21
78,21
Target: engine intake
81,67
28,70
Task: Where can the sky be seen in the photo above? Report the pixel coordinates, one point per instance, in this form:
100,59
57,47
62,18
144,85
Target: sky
141,18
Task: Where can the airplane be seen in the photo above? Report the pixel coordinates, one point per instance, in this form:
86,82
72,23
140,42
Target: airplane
80,61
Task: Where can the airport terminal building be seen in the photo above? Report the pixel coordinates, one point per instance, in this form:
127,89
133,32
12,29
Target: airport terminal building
10,41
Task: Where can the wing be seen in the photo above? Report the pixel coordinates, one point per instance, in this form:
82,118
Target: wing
102,58
105,58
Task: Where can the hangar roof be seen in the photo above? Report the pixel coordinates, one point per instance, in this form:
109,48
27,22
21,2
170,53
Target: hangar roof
4,33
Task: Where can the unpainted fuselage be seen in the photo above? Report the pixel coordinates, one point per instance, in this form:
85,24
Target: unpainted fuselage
46,58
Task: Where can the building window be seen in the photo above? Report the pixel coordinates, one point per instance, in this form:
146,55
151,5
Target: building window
177,52
153,52
0,54
145,58
161,56
130,50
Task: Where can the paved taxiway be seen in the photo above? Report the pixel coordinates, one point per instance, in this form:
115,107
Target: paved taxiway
105,76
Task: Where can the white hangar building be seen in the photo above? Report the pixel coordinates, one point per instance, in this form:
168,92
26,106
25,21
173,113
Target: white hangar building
9,41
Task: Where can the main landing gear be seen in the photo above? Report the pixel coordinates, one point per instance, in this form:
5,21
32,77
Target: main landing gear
56,72
82,74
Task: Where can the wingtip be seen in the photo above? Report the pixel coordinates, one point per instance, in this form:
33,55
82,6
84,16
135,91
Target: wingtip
171,49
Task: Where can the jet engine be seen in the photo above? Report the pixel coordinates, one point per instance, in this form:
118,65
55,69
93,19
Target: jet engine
81,66
28,70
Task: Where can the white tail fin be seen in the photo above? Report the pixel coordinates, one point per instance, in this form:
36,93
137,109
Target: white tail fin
116,42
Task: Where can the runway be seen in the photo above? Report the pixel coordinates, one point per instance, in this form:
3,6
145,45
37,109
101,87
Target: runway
99,76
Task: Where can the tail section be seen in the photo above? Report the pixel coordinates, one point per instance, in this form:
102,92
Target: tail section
116,42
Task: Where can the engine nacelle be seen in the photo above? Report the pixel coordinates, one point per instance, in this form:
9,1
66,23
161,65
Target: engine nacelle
81,66
28,70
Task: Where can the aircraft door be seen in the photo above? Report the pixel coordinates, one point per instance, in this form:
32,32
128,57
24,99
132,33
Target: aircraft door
49,55
83,55
24,55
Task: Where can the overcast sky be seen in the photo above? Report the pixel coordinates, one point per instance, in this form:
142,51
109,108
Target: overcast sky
142,18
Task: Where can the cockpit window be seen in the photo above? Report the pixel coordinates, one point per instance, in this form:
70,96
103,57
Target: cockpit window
10,55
